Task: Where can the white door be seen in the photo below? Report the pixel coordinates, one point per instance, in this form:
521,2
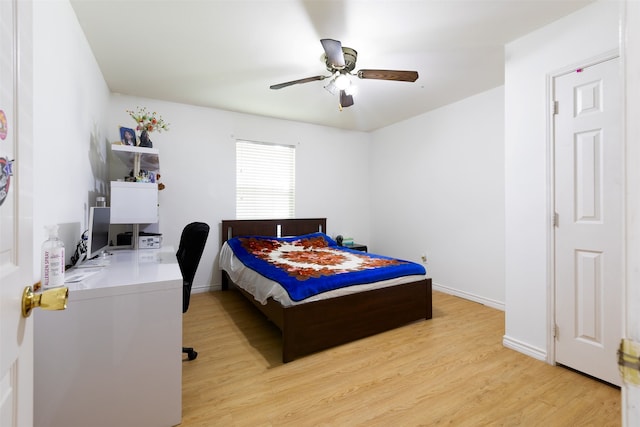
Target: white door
589,191
16,183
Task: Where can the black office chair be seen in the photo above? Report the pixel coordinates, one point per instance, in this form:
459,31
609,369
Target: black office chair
194,236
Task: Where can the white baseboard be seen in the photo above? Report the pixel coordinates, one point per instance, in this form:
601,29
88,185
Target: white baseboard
524,348
511,343
466,295
198,289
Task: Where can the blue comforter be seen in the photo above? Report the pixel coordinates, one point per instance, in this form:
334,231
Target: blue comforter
314,263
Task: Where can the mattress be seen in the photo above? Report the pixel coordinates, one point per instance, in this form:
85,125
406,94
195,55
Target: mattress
263,288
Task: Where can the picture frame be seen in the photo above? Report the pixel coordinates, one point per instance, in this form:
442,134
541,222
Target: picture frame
127,136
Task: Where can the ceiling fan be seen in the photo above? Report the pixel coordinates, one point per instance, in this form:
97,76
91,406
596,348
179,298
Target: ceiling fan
341,61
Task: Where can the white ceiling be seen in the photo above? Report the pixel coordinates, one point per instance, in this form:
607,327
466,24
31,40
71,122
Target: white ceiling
226,53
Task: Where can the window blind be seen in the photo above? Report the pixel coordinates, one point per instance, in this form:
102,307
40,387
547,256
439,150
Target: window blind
265,180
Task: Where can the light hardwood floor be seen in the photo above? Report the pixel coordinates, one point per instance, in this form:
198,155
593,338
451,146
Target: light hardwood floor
450,370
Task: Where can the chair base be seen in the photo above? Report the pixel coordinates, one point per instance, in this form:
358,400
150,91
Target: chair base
191,353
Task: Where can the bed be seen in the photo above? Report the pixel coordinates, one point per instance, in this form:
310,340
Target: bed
309,327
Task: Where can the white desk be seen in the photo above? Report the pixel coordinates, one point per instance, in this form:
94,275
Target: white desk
114,356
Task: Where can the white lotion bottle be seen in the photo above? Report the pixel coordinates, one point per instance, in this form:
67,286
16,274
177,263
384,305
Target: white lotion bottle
52,259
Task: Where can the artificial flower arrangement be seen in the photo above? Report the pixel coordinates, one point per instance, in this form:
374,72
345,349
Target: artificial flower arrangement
148,121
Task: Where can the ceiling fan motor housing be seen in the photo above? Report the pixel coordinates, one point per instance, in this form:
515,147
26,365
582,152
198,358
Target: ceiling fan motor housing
350,58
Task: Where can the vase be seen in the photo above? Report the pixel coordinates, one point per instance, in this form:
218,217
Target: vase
144,140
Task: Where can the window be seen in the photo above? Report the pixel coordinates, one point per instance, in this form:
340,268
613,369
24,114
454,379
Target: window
265,180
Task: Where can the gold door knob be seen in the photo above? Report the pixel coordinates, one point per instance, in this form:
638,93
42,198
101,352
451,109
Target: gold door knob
51,299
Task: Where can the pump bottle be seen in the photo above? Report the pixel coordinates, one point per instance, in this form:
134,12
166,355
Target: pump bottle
52,259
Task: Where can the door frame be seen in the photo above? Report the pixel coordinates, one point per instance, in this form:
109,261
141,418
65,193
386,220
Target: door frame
551,255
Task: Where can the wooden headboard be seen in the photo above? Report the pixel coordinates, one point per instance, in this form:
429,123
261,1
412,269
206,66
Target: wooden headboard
270,227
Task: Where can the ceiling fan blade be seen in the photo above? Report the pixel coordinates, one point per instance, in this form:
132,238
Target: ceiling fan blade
295,82
335,56
397,75
345,100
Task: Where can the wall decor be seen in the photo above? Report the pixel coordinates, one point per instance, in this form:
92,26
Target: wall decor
127,136
6,167
3,125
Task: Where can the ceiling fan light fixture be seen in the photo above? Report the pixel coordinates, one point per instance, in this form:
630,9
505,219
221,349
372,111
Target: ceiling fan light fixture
331,87
342,81
351,89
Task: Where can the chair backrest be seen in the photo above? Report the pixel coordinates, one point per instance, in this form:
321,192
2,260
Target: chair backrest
192,242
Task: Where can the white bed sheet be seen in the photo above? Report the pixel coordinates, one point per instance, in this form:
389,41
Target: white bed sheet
262,288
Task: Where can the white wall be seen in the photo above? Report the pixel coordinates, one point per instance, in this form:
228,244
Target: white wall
76,119
427,185
438,189
572,40
197,165
70,102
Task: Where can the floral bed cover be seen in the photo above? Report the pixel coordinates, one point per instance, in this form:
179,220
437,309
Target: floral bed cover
314,263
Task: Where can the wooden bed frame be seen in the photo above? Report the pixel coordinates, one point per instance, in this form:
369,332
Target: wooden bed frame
311,327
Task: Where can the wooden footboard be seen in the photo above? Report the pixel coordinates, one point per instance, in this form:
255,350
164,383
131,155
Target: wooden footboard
319,325
311,327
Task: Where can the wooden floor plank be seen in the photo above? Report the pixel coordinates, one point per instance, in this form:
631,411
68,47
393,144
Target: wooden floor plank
452,369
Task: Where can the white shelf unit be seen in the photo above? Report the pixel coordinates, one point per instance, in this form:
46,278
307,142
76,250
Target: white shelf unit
135,202
137,158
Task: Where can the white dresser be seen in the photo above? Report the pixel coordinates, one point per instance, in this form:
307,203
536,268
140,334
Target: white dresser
114,356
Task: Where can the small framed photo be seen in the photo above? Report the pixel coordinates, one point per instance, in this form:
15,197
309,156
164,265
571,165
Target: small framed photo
127,136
